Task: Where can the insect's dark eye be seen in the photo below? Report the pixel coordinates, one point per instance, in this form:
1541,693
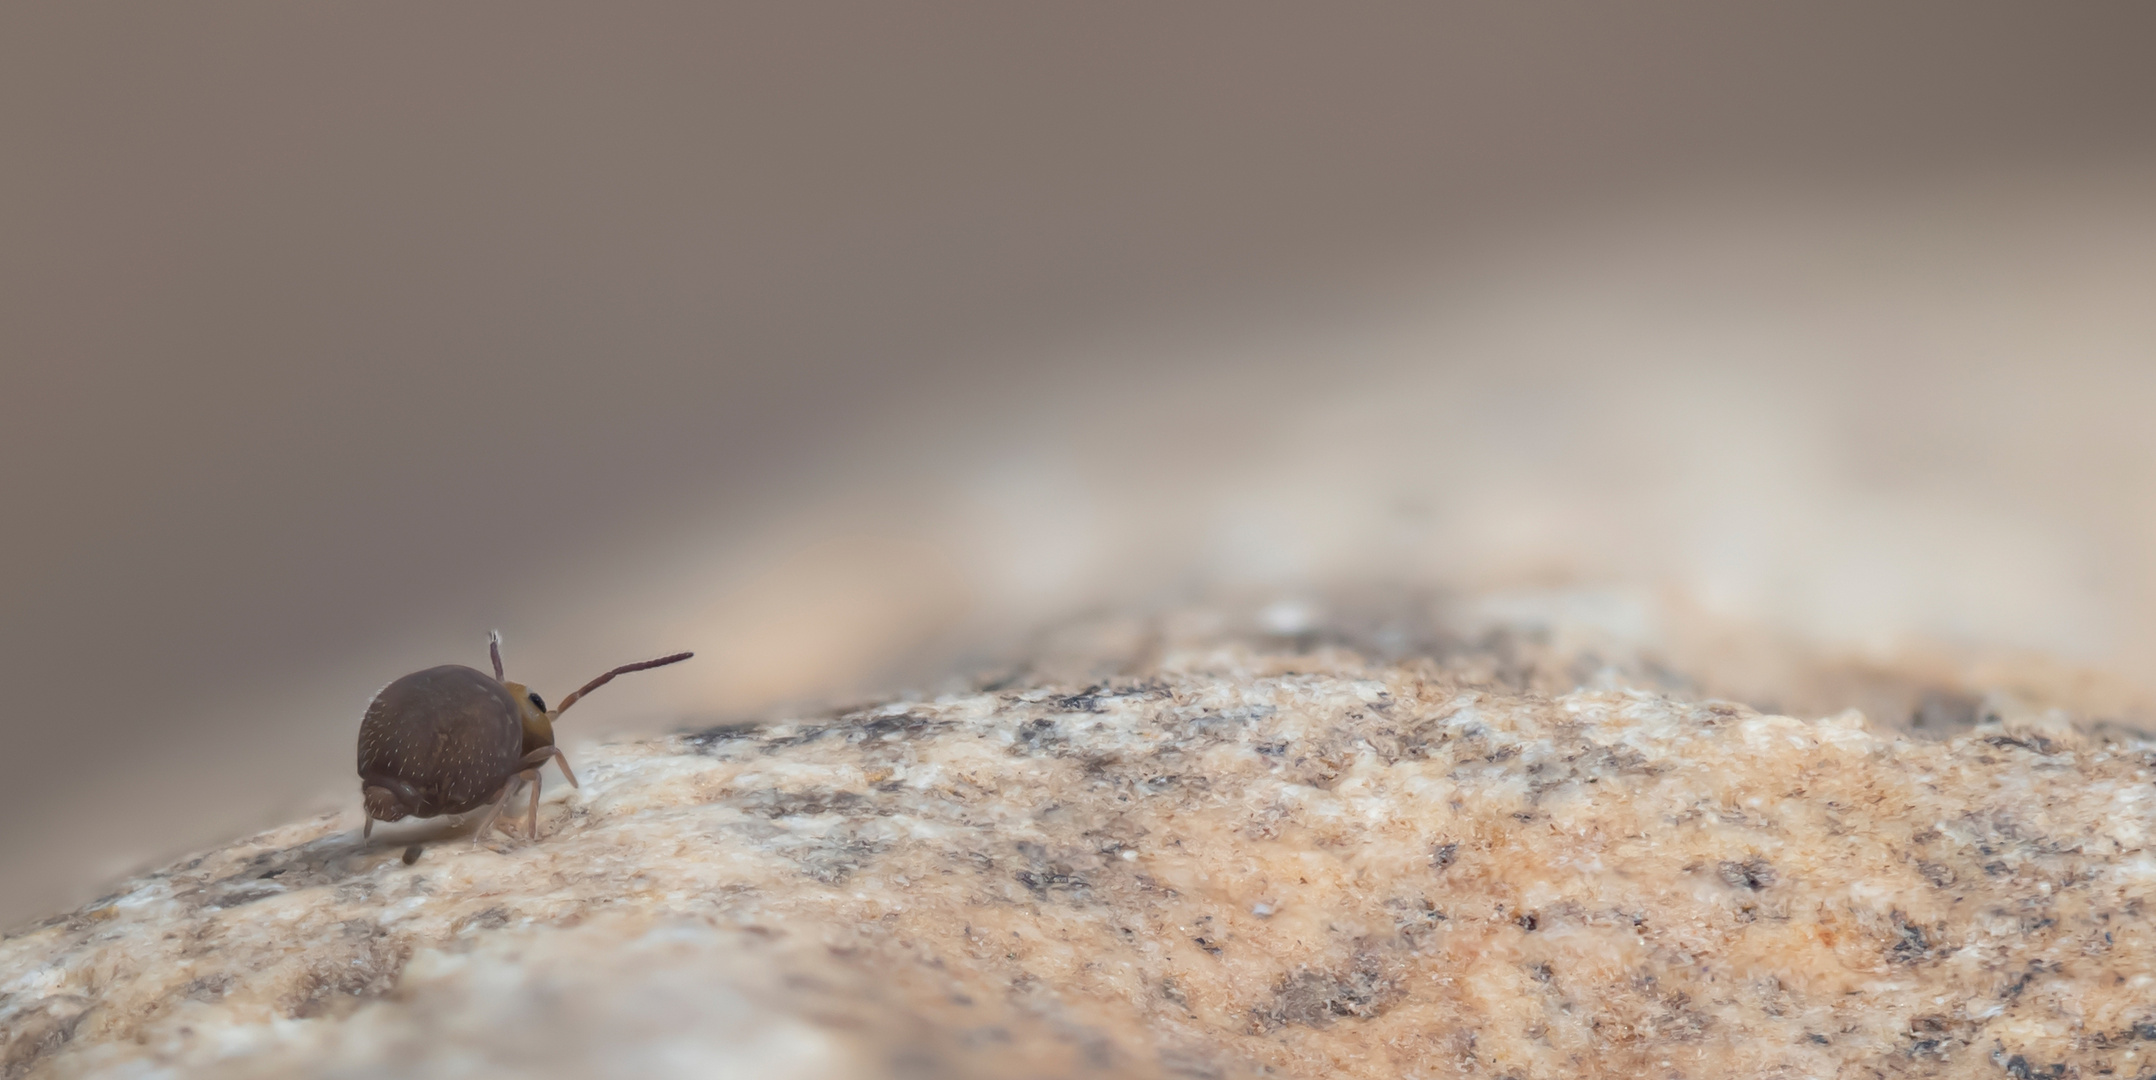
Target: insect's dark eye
537,703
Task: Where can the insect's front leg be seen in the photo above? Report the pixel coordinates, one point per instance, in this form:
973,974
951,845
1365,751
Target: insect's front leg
532,763
539,757
531,819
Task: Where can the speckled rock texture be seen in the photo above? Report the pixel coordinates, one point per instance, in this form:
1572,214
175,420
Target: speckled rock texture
1228,864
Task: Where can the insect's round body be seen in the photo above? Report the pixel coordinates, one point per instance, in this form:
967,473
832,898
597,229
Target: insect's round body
449,739
440,741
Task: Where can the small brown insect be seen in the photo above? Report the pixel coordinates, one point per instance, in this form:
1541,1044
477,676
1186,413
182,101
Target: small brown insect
448,740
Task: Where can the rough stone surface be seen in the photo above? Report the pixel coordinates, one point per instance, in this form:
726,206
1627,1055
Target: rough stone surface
1229,863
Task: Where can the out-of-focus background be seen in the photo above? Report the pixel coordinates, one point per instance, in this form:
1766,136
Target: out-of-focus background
845,344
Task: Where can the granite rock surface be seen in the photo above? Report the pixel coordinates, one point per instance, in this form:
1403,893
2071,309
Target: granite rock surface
1229,863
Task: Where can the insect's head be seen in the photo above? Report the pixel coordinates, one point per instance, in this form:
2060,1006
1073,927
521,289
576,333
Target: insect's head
538,720
532,712
531,708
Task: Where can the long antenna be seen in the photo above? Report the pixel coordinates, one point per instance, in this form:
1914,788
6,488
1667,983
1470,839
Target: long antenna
494,649
624,669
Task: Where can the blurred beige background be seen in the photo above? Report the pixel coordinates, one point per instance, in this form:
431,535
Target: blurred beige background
844,344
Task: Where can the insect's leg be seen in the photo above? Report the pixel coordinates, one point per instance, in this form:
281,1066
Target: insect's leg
539,757
494,810
366,830
531,820
386,798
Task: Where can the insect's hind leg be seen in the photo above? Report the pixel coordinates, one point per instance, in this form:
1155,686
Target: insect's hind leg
383,798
